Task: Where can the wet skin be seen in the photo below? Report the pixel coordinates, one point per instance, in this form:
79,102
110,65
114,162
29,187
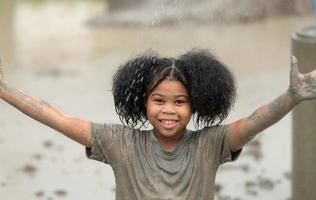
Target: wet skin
72,127
169,112
302,87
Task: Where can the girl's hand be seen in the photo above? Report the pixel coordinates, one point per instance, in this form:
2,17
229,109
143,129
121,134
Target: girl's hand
302,86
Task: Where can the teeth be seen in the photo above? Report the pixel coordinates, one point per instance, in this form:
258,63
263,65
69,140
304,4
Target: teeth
168,121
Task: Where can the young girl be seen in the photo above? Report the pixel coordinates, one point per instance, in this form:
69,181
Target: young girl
169,161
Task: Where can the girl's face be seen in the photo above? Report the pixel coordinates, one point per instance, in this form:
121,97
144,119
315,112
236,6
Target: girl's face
169,110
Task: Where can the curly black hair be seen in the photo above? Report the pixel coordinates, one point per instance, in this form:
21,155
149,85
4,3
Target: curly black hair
210,85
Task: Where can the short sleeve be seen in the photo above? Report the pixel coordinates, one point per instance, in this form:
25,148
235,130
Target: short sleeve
226,155
108,141
217,144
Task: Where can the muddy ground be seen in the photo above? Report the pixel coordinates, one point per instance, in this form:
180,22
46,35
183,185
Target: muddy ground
51,53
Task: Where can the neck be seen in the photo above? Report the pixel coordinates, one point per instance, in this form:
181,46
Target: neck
169,143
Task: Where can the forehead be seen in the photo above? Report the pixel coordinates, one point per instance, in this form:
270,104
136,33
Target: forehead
170,87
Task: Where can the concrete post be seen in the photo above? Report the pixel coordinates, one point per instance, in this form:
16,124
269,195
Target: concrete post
304,121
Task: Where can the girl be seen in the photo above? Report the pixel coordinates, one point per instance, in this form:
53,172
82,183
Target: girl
168,161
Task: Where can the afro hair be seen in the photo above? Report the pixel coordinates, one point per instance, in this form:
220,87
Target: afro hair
210,85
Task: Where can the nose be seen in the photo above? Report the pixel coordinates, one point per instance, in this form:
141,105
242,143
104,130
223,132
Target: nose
168,109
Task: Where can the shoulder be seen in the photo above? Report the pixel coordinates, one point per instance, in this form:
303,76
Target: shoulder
113,128
119,131
212,130
211,134
111,142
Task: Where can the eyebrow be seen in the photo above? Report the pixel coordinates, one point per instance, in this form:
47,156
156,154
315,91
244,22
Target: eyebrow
177,96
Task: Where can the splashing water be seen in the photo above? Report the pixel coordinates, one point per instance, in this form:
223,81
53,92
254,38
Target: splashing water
312,31
309,32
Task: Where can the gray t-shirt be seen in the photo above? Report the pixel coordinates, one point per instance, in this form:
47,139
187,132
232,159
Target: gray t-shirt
144,170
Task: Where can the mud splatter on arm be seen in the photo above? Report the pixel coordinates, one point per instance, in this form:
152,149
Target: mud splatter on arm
244,130
74,128
302,87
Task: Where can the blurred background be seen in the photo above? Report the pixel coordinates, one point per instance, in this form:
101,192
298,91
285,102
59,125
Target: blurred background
66,52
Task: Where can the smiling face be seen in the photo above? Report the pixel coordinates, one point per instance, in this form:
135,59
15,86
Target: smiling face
169,110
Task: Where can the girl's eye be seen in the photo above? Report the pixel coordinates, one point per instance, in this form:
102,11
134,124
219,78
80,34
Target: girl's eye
180,102
158,101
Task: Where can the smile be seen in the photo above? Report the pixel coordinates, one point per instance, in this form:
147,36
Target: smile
168,124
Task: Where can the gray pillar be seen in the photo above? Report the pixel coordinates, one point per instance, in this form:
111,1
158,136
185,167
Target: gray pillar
304,121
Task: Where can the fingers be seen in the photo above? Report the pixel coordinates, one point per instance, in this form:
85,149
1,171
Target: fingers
294,65
293,59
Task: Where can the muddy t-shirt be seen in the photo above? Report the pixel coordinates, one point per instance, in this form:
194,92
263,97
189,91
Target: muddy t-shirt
143,169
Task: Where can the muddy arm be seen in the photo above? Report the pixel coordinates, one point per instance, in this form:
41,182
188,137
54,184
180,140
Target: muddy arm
245,129
74,128
302,87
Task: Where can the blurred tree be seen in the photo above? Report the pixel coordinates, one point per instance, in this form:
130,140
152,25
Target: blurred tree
115,5
279,6
293,6
149,12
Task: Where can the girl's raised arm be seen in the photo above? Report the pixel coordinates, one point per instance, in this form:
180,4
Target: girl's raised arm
74,128
302,87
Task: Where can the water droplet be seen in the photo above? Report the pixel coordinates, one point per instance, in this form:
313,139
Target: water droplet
128,97
133,82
